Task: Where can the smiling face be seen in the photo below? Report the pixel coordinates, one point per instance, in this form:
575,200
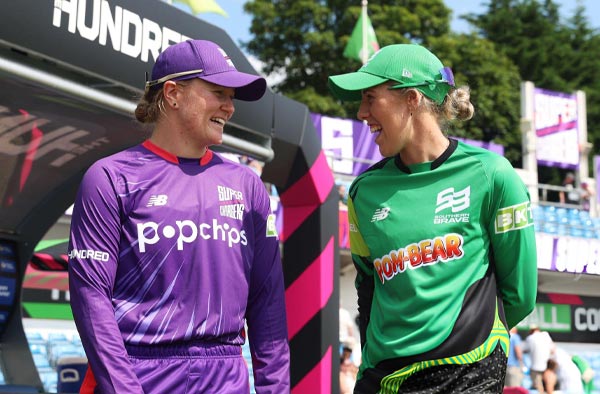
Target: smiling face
204,108
193,115
389,117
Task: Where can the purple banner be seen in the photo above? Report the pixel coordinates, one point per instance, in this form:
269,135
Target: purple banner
556,128
350,147
348,144
568,254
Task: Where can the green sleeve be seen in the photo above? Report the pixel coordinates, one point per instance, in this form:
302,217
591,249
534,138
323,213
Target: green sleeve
513,246
364,273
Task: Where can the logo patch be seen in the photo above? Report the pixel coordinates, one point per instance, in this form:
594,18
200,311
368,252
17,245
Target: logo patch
271,228
157,200
380,214
455,202
233,200
416,255
515,217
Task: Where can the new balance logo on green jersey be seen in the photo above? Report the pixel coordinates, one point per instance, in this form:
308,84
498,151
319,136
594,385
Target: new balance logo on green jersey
515,217
380,214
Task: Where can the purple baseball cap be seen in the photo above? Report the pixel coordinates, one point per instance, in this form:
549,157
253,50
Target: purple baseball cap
205,60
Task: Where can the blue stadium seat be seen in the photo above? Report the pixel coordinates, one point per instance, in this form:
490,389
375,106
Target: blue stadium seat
576,232
561,212
34,336
550,228
538,213
583,214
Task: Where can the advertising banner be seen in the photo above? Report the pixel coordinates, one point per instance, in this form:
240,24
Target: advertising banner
556,128
567,317
568,254
348,144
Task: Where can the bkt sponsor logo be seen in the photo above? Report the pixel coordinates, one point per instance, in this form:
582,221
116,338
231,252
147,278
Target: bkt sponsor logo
88,254
186,231
128,33
515,217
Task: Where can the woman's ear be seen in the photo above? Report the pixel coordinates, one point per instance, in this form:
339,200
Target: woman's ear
413,99
170,92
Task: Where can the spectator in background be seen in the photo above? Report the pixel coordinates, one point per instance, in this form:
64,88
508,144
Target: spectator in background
348,371
550,381
570,195
343,193
540,346
568,374
346,328
587,373
514,370
586,196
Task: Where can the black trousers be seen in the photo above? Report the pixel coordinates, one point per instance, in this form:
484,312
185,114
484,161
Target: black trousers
483,377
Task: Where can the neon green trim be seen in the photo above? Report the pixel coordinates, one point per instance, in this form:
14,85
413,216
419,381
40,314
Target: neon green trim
392,382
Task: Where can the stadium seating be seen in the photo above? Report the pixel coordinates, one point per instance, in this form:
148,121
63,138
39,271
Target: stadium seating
560,221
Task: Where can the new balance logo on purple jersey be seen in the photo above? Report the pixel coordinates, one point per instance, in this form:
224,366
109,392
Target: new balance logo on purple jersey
157,200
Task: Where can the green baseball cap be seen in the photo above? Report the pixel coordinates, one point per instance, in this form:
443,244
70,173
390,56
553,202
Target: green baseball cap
410,65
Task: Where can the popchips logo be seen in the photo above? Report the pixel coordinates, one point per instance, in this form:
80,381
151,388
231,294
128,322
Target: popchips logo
186,231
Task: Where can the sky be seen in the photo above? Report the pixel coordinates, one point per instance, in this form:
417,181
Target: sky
237,24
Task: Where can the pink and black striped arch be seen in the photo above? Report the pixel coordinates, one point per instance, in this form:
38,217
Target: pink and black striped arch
310,248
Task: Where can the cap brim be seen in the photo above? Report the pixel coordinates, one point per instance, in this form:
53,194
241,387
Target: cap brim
349,87
248,87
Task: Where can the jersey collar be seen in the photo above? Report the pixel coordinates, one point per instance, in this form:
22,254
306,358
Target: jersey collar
168,156
434,164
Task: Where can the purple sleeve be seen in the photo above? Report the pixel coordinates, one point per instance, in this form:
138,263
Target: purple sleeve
94,251
265,314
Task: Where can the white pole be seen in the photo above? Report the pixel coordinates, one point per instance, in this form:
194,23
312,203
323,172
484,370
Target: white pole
529,139
364,54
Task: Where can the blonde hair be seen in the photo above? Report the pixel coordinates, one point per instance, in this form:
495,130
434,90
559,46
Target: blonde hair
456,105
150,106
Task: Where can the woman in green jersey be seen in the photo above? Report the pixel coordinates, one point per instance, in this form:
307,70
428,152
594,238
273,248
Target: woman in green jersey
441,235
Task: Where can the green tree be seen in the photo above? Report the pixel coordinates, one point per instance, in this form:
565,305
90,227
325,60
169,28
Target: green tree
552,53
305,39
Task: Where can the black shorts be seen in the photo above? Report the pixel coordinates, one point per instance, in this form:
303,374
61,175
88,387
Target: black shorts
483,377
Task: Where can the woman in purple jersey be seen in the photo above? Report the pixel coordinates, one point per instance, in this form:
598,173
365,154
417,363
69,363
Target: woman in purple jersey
173,250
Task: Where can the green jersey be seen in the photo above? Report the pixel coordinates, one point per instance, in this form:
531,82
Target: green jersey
445,254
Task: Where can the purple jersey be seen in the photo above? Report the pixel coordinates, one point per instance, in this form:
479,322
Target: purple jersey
167,251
